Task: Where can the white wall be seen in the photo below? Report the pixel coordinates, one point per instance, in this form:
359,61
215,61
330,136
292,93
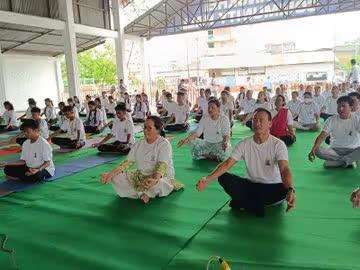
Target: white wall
28,76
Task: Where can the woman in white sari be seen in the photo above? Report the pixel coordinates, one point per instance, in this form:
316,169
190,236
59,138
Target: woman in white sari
148,171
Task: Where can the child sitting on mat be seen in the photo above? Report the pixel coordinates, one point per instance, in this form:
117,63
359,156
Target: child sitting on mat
94,121
27,115
102,109
9,118
77,103
43,126
139,112
111,108
35,163
60,117
179,115
71,103
122,130
85,108
49,112
74,128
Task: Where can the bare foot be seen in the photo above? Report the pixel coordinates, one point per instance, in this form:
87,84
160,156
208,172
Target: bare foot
145,198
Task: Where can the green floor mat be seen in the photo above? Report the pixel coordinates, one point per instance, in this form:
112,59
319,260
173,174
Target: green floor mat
322,233
77,223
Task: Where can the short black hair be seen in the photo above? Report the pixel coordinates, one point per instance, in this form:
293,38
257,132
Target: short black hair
214,101
180,93
8,103
258,110
121,107
30,123
32,101
308,93
353,61
70,99
354,94
91,103
227,88
168,95
345,99
61,104
35,110
68,109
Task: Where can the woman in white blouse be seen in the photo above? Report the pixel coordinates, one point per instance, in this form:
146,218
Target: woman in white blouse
216,131
148,171
9,118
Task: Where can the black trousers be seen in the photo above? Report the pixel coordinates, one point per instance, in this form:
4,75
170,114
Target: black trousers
19,171
138,120
288,140
91,129
52,121
253,197
82,114
66,143
115,147
249,124
198,117
327,140
110,115
3,128
325,116
20,140
54,128
177,127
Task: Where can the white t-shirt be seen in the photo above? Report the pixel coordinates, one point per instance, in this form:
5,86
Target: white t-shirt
330,105
354,75
50,113
44,129
294,106
139,110
121,129
203,103
10,118
72,128
61,118
170,106
28,114
214,130
35,154
261,160
227,108
326,94
307,113
148,155
111,108
104,102
95,118
247,105
344,133
180,113
319,100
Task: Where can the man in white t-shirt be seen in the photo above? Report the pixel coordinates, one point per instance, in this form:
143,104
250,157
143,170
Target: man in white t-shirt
179,114
354,75
74,129
329,107
35,163
122,130
344,132
318,98
227,106
294,104
301,92
246,106
269,179
309,114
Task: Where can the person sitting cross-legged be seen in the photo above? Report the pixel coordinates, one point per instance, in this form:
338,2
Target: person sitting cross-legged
35,162
179,115
94,122
269,178
74,128
122,130
309,114
344,132
148,170
216,131
282,122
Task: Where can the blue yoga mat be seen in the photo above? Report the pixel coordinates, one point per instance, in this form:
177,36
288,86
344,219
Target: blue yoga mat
8,187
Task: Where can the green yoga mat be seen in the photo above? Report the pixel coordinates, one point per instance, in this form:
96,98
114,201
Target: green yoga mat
323,232
77,223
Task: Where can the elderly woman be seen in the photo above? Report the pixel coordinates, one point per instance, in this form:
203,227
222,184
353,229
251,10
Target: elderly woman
216,131
282,122
148,171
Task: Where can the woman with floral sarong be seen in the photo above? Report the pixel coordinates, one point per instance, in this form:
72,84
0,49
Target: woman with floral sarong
148,171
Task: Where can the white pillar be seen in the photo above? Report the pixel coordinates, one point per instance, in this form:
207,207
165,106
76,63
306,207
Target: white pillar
119,41
2,78
70,48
